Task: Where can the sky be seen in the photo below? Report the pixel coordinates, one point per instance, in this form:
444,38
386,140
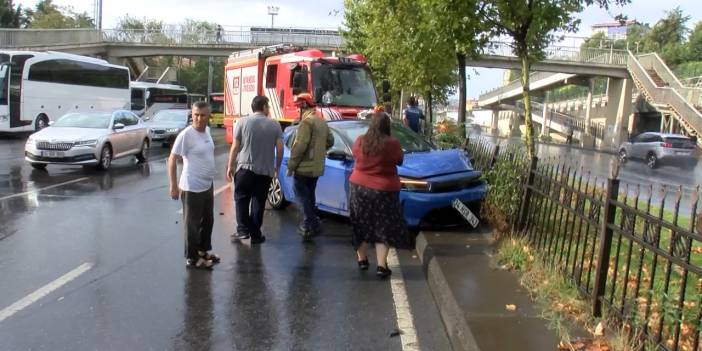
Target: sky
328,14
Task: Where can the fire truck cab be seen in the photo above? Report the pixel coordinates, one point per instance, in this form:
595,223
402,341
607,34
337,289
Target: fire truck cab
341,86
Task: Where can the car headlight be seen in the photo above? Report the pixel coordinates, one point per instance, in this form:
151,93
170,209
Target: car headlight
414,184
31,141
91,142
172,130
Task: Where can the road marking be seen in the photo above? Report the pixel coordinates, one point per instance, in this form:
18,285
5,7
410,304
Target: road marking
216,193
38,294
403,312
44,188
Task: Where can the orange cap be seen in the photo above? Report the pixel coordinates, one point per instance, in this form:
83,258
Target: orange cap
304,98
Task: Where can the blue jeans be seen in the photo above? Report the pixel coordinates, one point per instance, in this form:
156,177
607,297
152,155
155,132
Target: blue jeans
305,193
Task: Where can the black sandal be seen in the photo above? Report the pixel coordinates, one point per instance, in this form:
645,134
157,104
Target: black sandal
210,257
383,272
363,265
201,263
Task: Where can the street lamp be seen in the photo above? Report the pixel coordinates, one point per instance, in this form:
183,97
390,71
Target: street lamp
273,11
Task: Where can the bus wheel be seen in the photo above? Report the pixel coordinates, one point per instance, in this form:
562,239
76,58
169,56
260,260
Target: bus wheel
41,122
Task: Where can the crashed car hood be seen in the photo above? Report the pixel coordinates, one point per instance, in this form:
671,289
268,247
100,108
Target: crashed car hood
434,163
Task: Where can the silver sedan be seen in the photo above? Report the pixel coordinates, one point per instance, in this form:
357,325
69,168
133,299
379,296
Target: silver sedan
89,139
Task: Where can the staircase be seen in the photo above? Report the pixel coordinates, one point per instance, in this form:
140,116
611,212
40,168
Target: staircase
662,88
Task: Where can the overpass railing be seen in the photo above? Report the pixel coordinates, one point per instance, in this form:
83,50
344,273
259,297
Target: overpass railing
603,56
178,37
42,38
28,38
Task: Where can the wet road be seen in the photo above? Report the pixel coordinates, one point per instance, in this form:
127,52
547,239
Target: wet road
633,173
114,240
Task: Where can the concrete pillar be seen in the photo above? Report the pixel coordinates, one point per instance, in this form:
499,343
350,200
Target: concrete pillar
588,106
494,126
619,92
664,117
546,126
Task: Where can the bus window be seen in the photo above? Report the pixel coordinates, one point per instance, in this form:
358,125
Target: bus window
15,92
3,82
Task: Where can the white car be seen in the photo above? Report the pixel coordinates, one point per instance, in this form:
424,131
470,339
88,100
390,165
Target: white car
89,139
167,124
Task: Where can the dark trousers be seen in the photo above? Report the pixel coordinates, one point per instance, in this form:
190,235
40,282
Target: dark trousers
198,219
250,191
305,188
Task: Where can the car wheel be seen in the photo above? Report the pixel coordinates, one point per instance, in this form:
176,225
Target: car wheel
105,158
622,156
276,198
41,122
143,153
39,166
652,161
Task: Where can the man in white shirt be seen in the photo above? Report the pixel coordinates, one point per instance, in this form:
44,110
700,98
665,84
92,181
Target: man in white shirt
194,146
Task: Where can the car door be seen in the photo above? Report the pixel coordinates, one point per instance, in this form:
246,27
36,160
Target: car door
638,145
333,186
119,138
134,132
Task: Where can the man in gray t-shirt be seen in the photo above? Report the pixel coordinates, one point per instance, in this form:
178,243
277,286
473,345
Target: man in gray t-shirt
254,159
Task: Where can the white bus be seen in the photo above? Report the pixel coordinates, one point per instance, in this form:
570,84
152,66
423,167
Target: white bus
38,87
149,98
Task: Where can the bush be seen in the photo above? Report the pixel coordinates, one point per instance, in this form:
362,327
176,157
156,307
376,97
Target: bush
449,135
506,179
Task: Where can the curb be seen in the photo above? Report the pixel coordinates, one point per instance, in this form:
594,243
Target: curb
456,325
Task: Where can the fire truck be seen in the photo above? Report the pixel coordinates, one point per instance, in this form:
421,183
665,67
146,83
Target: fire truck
342,86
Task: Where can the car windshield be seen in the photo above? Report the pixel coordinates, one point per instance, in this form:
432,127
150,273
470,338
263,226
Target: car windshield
343,85
171,116
77,120
409,140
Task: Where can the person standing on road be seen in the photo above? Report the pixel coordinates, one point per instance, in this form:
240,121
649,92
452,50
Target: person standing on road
254,159
312,140
375,209
195,147
412,115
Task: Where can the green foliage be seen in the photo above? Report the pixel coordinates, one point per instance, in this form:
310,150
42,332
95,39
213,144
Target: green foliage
694,43
689,69
195,76
399,41
11,17
506,178
449,135
48,15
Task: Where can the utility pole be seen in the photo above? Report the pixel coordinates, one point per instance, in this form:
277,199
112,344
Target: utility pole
210,63
273,11
98,14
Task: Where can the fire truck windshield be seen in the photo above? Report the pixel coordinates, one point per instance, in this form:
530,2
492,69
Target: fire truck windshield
343,85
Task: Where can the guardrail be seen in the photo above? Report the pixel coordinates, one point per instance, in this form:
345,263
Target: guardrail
595,129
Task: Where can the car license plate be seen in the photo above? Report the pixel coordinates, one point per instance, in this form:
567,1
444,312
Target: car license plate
466,213
53,154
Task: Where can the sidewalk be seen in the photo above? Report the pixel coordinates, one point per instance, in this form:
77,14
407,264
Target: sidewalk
472,293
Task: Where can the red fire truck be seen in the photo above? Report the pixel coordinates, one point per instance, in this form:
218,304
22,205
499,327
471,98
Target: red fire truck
341,86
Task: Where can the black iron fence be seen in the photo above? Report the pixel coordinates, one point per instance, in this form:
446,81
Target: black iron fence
635,254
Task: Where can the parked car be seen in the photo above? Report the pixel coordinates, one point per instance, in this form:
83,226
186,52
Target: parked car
167,124
431,179
657,148
89,139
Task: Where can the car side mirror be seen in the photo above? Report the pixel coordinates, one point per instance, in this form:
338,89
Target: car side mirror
338,155
118,126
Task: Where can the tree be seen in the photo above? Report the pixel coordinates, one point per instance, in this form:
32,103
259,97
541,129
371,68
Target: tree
397,38
694,43
48,15
667,37
195,76
11,17
532,25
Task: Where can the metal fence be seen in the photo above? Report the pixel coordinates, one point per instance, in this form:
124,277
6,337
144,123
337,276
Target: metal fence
624,246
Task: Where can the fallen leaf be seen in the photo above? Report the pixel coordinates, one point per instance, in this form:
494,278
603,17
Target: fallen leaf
511,307
599,329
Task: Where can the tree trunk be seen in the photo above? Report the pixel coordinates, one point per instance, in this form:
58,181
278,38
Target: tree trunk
462,89
429,125
526,67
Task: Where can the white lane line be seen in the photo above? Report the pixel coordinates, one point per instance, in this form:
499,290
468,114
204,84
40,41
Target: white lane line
44,188
403,312
216,193
23,303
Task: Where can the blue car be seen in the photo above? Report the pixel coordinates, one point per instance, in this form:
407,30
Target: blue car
431,179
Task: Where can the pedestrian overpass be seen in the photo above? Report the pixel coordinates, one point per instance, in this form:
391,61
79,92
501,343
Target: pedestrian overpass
680,105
